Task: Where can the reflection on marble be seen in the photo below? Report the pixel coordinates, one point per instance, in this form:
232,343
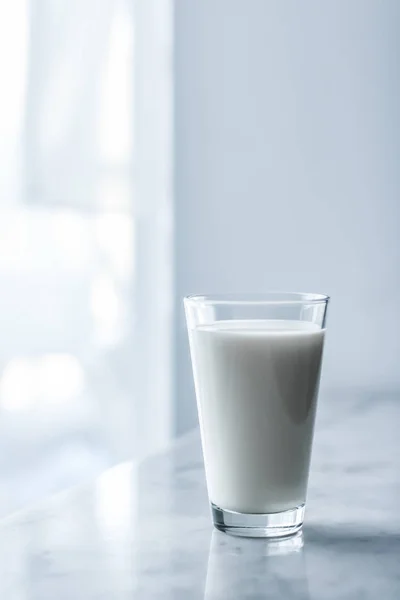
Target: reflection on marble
143,530
256,569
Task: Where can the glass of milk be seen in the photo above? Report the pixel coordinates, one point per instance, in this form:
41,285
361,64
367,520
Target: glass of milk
256,362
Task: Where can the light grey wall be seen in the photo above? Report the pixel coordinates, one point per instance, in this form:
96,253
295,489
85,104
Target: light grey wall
287,155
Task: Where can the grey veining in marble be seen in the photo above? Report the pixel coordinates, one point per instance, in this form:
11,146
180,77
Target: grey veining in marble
144,531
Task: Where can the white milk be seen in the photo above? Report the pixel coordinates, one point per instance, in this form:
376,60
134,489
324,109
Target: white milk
257,385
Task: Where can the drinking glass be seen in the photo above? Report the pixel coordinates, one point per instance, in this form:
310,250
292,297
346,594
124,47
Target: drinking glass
256,362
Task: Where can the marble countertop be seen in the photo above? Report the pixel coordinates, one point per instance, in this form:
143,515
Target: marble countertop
144,531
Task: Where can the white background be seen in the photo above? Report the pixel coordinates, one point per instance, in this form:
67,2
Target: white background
285,155
85,239
287,140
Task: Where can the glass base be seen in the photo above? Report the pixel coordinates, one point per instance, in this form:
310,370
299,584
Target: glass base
271,525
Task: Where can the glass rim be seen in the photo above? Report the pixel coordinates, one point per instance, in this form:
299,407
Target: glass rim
258,298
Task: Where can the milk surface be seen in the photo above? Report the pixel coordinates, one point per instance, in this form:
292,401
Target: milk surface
256,385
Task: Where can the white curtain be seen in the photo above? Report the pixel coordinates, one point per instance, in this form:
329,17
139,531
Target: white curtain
85,239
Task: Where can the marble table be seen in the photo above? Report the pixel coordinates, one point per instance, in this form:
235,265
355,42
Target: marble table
143,530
